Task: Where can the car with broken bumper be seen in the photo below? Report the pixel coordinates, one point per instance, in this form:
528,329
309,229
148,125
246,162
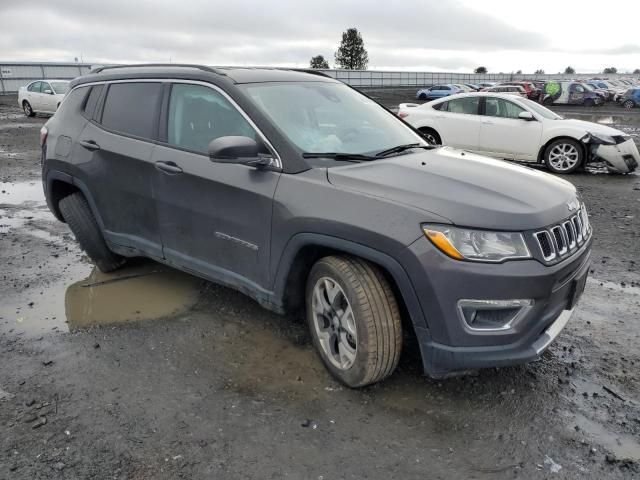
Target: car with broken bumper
308,196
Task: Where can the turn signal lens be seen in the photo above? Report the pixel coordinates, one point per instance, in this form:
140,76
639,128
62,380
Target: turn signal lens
442,242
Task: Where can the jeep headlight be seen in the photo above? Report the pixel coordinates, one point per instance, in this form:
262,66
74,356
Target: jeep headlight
477,245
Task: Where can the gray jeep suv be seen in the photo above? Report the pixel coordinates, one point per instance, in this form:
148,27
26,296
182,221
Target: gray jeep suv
305,194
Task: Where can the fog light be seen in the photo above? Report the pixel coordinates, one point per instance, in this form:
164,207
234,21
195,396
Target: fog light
492,315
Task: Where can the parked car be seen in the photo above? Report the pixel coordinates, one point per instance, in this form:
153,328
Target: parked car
305,194
437,91
531,90
473,86
603,94
517,90
513,128
569,93
614,91
463,88
486,84
631,98
42,96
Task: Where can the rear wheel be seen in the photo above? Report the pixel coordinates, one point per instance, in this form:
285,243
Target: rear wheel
430,135
76,212
563,156
422,96
28,111
547,101
629,104
354,320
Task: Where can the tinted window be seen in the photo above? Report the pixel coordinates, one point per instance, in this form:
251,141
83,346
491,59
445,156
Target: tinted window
131,108
92,101
445,88
497,107
199,114
468,105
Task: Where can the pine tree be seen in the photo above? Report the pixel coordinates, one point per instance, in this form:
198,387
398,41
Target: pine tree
351,54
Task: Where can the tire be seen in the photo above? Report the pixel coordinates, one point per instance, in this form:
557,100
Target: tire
547,102
28,111
76,212
430,135
589,102
629,104
422,96
564,156
361,348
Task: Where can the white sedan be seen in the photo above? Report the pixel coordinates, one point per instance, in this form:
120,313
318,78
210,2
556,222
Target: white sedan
512,128
42,96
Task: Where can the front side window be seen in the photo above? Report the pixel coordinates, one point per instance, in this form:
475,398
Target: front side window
498,107
199,114
34,87
468,105
44,87
132,108
321,117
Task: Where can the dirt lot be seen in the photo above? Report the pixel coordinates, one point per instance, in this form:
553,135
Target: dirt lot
150,373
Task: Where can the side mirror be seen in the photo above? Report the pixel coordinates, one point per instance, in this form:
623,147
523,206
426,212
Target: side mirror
48,91
241,150
528,116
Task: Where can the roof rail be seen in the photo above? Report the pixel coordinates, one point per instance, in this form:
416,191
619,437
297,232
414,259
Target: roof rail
311,71
188,65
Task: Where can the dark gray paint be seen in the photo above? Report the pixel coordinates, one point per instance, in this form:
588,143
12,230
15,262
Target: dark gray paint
243,226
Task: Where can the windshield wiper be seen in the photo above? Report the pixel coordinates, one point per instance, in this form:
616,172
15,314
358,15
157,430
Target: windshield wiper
349,157
402,148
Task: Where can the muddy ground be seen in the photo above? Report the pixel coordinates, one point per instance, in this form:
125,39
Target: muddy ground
150,373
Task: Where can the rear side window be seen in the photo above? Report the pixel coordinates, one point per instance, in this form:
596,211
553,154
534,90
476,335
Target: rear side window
468,105
92,100
199,114
132,108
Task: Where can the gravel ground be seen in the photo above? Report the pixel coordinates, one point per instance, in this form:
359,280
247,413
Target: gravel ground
150,373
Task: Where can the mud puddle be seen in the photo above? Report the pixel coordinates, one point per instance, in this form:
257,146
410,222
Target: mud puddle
624,447
145,290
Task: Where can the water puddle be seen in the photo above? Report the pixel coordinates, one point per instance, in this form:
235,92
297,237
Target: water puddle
623,446
143,292
21,192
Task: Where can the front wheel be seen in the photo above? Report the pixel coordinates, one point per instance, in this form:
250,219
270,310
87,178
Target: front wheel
354,320
628,104
28,111
589,102
431,136
563,156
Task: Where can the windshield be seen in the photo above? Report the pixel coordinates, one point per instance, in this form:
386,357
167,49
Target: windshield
321,117
540,110
60,87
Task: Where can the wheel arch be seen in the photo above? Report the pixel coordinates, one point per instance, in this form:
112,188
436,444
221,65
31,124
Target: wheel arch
562,137
59,185
304,249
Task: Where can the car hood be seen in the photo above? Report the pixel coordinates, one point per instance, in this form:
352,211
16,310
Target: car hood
467,189
590,127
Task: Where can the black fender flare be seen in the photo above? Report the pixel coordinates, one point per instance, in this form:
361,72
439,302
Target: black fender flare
390,264
56,175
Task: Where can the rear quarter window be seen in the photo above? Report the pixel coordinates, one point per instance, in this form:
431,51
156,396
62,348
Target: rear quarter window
92,101
72,101
132,108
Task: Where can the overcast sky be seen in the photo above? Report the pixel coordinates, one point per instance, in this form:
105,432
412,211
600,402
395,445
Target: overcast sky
444,35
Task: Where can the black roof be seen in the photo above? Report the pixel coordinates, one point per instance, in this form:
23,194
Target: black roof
234,75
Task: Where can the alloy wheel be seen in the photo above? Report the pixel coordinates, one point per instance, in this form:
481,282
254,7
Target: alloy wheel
564,156
334,323
27,109
628,105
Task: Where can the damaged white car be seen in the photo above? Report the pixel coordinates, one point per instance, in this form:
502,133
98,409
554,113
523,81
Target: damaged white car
512,128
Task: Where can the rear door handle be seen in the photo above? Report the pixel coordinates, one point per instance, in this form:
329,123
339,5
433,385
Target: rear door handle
89,145
168,167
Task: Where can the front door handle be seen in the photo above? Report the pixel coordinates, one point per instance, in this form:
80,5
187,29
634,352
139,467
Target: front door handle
168,167
89,145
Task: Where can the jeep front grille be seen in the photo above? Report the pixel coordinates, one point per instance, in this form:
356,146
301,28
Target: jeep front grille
565,238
